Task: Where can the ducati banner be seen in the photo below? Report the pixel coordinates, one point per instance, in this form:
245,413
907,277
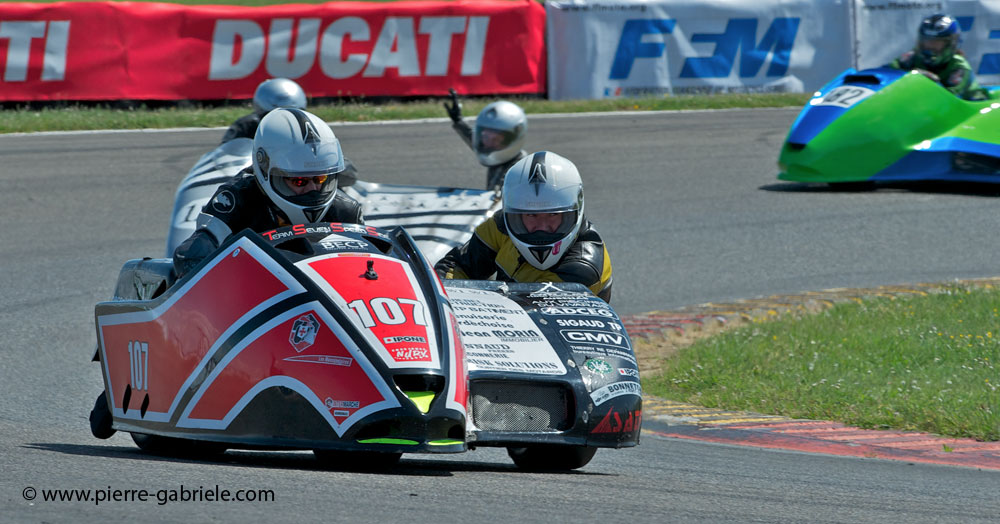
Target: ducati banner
151,51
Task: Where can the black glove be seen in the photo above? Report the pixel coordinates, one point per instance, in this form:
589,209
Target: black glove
455,108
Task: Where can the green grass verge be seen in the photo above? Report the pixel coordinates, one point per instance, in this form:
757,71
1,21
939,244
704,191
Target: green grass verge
79,117
920,363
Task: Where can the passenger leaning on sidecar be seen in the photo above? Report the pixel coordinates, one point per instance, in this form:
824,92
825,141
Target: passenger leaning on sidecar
293,180
540,235
937,55
269,95
497,138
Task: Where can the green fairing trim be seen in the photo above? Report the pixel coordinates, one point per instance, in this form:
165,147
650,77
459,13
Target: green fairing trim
884,128
449,442
397,441
422,399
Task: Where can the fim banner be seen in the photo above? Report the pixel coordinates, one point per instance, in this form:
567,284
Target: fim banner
608,49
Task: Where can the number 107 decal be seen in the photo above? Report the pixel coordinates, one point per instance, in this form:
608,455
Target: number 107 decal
388,311
138,357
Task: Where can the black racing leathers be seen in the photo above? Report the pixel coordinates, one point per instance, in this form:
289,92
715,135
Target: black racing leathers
490,252
494,174
239,204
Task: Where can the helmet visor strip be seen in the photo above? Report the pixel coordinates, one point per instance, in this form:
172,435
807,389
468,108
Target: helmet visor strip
540,228
304,188
934,46
489,140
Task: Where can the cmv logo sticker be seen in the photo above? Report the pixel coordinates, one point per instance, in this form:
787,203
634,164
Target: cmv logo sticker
739,37
596,337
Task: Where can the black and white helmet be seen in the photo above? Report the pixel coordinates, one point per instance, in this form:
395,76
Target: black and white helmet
499,133
296,160
543,187
278,92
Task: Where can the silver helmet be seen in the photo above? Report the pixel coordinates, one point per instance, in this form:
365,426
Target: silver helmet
296,160
499,133
278,92
543,207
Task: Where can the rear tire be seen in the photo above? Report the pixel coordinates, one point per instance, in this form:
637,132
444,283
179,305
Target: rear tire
356,460
177,447
551,457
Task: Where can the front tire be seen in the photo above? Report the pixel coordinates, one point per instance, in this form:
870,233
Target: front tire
551,457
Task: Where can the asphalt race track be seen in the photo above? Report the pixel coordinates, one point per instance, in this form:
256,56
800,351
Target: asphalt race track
692,213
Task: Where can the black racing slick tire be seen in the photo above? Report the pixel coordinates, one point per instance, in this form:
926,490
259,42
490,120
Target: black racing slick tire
177,447
356,460
551,457
852,187
100,418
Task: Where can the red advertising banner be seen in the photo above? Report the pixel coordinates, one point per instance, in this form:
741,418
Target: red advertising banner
151,51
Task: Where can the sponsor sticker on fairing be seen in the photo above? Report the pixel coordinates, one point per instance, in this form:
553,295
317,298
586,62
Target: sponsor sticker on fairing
576,322
628,372
596,337
616,422
332,360
410,339
499,335
349,404
615,390
583,311
341,245
413,354
596,365
550,291
304,332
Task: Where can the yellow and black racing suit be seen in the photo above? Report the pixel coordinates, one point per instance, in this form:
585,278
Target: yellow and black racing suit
490,251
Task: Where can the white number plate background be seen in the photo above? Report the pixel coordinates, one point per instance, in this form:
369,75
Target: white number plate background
844,96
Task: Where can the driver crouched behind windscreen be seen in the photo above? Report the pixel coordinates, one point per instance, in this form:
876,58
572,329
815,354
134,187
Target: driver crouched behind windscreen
293,180
540,235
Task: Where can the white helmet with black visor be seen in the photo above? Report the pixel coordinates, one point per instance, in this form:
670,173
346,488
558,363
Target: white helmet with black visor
543,207
296,162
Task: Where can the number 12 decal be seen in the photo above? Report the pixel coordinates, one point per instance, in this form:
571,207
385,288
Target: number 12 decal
388,311
844,96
